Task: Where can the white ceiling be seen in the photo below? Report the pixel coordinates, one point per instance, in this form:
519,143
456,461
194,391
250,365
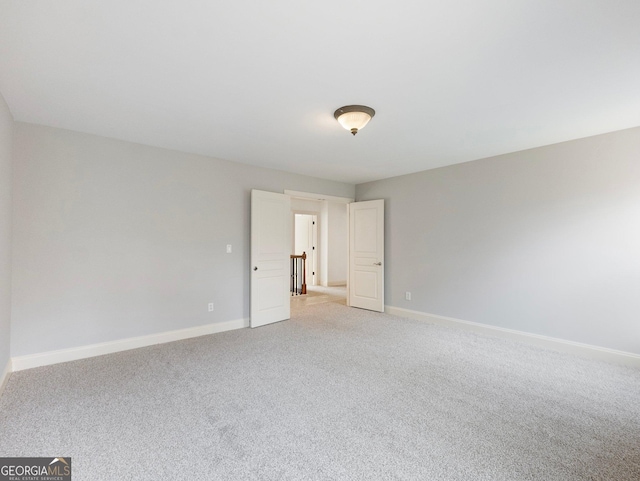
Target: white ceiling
258,81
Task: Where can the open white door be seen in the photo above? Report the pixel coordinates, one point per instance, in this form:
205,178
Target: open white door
366,255
270,251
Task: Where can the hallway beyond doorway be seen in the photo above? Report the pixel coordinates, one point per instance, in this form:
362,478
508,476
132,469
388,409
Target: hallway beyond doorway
319,295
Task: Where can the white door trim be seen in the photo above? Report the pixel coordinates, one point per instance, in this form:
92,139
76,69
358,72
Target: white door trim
309,195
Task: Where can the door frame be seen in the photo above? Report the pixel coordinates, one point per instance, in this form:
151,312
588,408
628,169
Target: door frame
312,196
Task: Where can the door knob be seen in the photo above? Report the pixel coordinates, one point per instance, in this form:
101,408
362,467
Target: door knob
255,268
377,263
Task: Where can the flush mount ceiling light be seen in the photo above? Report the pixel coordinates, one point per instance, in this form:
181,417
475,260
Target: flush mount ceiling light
354,117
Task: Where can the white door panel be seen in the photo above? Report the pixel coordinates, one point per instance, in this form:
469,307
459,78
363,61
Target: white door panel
270,251
365,224
366,284
366,255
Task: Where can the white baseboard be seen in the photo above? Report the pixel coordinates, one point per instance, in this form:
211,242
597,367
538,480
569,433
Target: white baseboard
337,284
72,354
587,350
4,377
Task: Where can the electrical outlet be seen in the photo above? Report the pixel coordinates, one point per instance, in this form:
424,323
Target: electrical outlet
228,248
210,306
407,296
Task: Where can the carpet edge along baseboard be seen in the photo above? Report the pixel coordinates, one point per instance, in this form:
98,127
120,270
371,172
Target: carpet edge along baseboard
29,361
571,347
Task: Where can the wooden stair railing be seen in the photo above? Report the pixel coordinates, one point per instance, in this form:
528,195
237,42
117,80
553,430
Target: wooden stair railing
299,274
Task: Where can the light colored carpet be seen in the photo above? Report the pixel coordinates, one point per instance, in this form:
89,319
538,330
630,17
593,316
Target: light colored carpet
334,394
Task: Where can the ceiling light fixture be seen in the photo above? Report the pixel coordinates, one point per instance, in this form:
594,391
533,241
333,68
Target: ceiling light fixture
354,117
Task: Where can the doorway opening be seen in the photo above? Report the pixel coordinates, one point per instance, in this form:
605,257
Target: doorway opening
319,295
272,233
305,241
320,229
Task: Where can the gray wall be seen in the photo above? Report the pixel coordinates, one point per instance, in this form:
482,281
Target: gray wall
545,241
114,239
6,137
338,240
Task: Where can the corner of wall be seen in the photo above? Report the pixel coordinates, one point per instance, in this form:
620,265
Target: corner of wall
5,375
6,207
